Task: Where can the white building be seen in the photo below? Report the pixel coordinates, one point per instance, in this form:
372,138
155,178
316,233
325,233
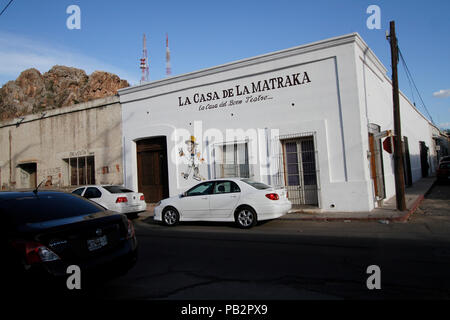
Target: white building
306,118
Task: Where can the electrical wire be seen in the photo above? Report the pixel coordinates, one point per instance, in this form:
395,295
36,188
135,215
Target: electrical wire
4,9
411,79
410,84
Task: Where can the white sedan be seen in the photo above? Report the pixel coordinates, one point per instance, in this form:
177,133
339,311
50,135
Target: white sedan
114,198
241,200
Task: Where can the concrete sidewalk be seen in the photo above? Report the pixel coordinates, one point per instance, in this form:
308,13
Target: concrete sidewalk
388,212
414,195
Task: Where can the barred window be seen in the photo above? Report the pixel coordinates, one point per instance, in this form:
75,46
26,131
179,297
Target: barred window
81,170
231,160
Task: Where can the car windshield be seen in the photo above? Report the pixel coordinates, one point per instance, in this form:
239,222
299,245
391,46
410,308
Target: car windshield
30,208
201,189
117,189
255,184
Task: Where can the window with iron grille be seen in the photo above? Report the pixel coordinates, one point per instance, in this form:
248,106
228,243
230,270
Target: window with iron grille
81,170
298,170
231,160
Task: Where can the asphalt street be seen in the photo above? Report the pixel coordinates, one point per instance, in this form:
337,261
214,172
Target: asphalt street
292,259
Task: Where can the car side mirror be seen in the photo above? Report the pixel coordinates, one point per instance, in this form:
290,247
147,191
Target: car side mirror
184,194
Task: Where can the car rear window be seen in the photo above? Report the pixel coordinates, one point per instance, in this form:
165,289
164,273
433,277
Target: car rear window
31,208
257,185
78,191
117,189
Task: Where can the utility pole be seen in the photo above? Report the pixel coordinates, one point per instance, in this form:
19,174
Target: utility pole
398,149
10,159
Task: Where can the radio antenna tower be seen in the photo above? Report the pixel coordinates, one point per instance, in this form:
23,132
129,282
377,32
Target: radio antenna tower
144,62
168,68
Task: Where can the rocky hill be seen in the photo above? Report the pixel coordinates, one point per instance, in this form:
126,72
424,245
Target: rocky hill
61,86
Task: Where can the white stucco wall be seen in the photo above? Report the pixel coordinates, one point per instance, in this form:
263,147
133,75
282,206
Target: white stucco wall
348,90
327,106
375,95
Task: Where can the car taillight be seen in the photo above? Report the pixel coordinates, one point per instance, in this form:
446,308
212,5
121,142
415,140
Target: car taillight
35,252
142,198
121,200
130,231
272,196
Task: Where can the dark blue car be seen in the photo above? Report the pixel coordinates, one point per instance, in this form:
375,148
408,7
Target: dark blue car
45,232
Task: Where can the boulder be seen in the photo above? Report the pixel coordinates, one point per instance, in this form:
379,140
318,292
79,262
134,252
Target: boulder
61,86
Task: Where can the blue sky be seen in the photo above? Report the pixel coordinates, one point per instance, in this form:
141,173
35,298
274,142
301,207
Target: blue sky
207,33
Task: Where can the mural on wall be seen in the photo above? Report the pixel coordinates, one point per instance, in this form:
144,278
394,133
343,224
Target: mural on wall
193,158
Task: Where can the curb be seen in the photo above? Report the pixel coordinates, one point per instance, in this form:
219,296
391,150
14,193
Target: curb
402,218
413,209
415,205
341,219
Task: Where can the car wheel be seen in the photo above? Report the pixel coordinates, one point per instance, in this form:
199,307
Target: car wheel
245,217
170,216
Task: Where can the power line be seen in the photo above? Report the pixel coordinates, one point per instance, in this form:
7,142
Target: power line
411,79
4,9
410,83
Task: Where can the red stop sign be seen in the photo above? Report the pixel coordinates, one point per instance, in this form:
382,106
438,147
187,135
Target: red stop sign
387,145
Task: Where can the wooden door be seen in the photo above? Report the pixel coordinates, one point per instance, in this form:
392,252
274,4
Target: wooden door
373,165
152,169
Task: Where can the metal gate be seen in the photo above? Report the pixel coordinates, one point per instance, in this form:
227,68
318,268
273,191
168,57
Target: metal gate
299,170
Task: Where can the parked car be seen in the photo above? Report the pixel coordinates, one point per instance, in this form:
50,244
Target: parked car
44,232
115,198
444,159
240,200
443,172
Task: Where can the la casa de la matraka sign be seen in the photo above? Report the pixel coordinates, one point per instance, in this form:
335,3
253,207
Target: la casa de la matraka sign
246,92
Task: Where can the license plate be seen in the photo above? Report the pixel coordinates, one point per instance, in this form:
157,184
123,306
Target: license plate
97,243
